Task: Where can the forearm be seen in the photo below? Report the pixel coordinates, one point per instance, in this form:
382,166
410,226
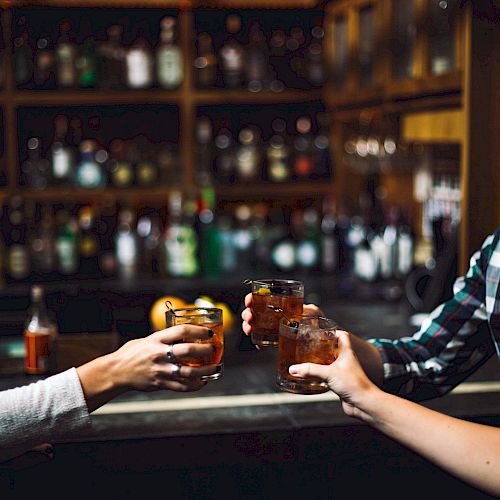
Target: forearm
467,450
99,382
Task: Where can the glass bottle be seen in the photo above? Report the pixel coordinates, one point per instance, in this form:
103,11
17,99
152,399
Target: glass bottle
88,242
66,53
126,244
340,51
120,170
224,155
180,240
277,58
18,265
66,243
232,54
303,164
329,241
169,62
139,64
278,154
89,173
321,146
23,54
45,64
204,149
256,59
35,170
366,56
43,252
112,59
169,172
442,35
315,68
404,31
206,62
61,154
248,155
40,334
86,64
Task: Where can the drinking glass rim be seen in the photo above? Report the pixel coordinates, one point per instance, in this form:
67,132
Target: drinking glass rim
332,323
278,282
208,309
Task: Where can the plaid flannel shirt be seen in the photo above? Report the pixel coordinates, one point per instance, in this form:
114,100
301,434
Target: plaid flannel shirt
455,339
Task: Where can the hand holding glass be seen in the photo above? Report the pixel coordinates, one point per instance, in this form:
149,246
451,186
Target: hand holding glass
209,317
305,339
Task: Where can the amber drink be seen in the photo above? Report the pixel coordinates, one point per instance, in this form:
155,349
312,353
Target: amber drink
305,339
209,317
273,300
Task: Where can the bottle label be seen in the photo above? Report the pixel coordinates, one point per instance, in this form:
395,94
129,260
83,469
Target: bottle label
37,345
169,68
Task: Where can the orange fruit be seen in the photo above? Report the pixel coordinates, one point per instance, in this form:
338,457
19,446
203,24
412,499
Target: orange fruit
159,308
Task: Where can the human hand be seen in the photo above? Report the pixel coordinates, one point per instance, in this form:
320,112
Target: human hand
247,315
344,376
142,364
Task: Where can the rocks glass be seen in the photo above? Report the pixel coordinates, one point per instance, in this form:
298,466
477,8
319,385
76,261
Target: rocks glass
274,299
305,339
209,317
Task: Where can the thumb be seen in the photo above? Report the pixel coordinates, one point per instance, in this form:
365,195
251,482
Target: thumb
305,370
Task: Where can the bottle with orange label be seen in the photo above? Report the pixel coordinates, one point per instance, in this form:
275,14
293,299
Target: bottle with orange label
39,335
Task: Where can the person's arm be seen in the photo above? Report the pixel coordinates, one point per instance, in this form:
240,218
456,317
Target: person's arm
59,405
468,450
453,341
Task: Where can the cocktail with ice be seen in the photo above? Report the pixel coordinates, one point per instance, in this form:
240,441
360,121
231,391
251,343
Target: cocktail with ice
305,339
274,299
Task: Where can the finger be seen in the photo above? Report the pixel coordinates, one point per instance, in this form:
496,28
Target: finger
312,310
184,332
248,300
247,315
247,329
196,372
183,385
344,342
182,350
305,370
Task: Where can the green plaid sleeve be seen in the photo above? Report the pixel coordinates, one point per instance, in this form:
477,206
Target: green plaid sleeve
452,342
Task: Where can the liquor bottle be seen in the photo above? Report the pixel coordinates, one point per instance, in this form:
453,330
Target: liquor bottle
18,264
86,64
106,224
61,154
206,62
278,154
303,163
321,146
283,254
139,64
277,60
180,240
224,155
329,242
295,58
169,172
23,54
126,244
228,255
43,250
89,174
146,170
243,240
314,64
248,155
120,170
45,64
308,239
66,243
112,59
66,53
40,333
204,150
232,54
149,235
256,59
35,170
169,63
88,242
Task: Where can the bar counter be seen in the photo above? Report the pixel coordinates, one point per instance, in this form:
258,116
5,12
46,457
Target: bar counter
243,438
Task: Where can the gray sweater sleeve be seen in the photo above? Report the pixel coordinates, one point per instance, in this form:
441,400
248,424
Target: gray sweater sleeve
41,412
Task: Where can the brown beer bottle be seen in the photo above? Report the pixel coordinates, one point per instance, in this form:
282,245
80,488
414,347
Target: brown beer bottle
39,335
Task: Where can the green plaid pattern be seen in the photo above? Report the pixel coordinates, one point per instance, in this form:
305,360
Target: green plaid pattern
455,339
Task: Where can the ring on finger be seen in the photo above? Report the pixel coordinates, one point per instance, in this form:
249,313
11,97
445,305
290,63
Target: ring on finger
175,371
170,353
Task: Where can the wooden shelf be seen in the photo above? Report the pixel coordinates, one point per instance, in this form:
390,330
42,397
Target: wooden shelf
301,189
156,96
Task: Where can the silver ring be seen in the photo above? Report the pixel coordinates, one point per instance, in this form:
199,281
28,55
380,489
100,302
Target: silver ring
175,371
170,353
